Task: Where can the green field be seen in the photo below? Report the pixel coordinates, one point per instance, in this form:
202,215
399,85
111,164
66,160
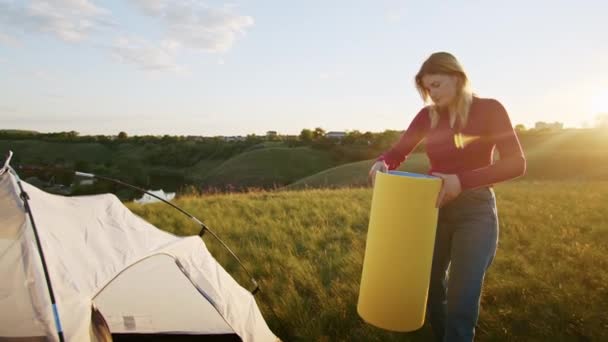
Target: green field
548,281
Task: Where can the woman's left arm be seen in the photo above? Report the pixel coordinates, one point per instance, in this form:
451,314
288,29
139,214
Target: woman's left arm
512,162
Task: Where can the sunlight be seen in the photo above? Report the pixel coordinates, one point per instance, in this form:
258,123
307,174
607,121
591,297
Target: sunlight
462,140
599,102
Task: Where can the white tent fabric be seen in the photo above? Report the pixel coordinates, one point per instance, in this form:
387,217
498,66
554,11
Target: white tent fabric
157,305
146,198
97,251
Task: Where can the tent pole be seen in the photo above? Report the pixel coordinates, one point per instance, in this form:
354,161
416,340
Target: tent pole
204,228
25,197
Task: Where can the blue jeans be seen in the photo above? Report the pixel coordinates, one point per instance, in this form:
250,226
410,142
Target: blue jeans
466,239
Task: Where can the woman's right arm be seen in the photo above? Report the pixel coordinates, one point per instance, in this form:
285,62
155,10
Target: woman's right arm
408,141
414,134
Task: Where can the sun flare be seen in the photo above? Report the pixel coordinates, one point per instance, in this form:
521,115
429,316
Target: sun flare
599,102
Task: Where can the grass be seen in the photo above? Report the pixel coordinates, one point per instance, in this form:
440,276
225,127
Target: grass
306,248
355,174
268,167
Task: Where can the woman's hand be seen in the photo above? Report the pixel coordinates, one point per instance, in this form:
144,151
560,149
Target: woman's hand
378,166
450,188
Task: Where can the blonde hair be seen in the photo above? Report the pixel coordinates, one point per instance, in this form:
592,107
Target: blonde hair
446,64
100,331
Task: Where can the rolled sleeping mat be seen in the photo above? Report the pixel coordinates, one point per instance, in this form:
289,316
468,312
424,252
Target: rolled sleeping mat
399,251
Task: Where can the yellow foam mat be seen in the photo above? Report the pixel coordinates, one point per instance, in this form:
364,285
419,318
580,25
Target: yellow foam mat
399,251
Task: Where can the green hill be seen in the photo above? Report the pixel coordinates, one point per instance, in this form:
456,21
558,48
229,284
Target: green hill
198,171
175,164
306,249
575,154
268,167
355,174
568,155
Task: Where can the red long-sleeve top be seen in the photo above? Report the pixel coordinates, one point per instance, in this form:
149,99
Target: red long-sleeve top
466,152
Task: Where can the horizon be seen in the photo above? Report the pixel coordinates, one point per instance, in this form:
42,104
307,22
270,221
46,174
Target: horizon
278,134
226,69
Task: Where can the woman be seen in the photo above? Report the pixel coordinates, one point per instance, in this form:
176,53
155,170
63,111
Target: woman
461,132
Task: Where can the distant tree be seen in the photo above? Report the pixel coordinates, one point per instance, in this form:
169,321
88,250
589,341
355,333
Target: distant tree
368,136
386,139
167,139
272,136
546,126
318,133
122,135
520,128
306,135
252,138
353,137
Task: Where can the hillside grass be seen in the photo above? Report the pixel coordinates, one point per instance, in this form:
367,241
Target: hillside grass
551,159
548,281
268,167
355,174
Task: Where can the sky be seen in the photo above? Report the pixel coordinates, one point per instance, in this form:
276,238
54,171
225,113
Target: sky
186,67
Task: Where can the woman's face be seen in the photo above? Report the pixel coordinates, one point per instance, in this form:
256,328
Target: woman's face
441,88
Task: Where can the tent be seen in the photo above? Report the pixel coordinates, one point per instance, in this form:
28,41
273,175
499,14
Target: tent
146,198
148,284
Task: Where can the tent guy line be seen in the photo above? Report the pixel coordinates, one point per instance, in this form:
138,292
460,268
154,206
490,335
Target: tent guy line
204,227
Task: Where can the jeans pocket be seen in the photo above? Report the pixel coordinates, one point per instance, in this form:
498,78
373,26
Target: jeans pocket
477,201
478,195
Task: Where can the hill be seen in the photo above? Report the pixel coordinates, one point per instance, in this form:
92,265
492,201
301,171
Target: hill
355,174
570,155
176,164
267,167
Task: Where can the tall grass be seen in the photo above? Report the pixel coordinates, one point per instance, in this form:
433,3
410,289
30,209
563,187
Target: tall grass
548,281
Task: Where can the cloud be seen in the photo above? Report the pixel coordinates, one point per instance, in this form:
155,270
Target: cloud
8,40
150,7
185,24
330,75
43,75
147,55
6,109
68,20
195,25
393,17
